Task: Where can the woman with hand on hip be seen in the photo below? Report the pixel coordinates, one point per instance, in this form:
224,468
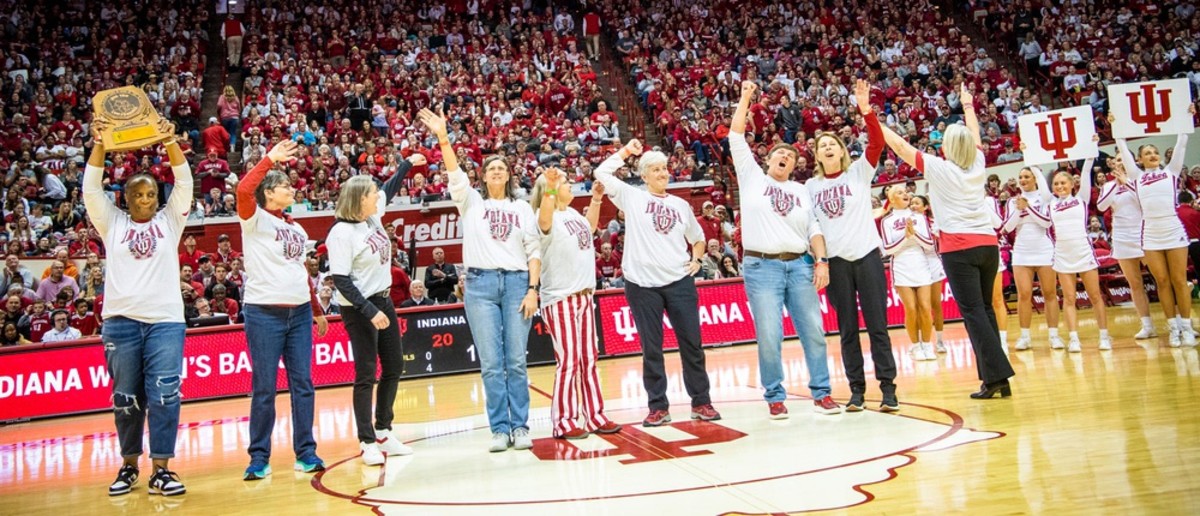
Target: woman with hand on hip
504,263
568,277
360,255
784,265
1163,237
143,337
279,309
841,193
659,270
969,247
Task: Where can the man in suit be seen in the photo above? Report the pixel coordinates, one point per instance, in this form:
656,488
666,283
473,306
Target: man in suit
419,297
440,277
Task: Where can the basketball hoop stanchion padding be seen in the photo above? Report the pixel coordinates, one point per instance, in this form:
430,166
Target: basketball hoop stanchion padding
133,118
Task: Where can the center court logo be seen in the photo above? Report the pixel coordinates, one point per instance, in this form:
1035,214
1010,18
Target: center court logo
641,446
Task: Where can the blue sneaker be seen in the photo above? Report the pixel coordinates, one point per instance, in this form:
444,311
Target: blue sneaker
257,470
310,464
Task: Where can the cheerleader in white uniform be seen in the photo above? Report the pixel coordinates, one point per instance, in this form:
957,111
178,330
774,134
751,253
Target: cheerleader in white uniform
1073,253
1120,196
1163,237
1033,253
906,238
999,304
920,206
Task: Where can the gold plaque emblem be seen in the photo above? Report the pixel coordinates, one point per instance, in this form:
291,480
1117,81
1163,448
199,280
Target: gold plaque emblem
134,120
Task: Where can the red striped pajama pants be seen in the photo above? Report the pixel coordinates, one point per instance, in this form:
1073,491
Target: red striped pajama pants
573,329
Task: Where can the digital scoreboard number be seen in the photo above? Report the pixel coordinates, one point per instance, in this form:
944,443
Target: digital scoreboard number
440,342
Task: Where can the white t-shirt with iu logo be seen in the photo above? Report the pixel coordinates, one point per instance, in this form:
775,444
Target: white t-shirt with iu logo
362,251
659,231
497,233
275,272
843,208
568,257
141,280
776,216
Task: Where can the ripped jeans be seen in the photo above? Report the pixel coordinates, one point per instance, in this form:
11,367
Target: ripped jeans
145,362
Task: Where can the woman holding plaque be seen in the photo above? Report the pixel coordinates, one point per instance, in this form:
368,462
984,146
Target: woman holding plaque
504,264
1163,238
280,311
567,304
143,341
360,262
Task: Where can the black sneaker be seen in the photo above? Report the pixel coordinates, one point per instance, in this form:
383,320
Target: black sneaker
166,483
890,403
126,479
856,402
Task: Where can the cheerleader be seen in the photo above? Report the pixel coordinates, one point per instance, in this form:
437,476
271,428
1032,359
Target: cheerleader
1120,196
841,194
1164,240
920,206
906,238
1033,253
1073,252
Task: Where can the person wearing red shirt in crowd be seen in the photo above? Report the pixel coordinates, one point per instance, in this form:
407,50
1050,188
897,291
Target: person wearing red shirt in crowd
1190,216
603,116
225,253
558,97
83,319
215,138
710,223
37,322
212,172
591,33
400,283
608,268
190,255
889,174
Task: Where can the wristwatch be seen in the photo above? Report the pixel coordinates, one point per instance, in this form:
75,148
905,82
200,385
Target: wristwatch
535,288
823,260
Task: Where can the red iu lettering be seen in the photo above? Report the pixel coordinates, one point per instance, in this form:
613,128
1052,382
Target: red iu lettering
1056,142
1152,116
642,446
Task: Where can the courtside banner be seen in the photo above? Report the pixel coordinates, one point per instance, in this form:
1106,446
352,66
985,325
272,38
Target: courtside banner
725,317
1059,135
1150,108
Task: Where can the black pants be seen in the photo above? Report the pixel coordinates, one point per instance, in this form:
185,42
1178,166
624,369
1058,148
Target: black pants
367,343
865,278
972,275
681,302
1194,255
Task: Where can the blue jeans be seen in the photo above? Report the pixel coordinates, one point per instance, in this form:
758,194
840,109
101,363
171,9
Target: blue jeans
145,362
233,126
772,285
272,333
501,335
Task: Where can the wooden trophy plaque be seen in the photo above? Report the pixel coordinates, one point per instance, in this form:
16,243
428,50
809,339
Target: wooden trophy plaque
133,118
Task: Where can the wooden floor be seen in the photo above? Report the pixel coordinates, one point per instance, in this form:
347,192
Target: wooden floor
1117,432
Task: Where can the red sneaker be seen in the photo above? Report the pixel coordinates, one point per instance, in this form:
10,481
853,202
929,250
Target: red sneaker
826,405
778,410
657,418
608,428
705,412
573,434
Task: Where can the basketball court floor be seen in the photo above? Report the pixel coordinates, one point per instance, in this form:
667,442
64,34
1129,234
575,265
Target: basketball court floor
1111,432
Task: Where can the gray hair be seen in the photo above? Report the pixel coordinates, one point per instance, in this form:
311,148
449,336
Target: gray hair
350,200
650,159
273,179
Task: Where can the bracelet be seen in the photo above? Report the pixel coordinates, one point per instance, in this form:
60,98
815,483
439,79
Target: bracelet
550,193
597,201
169,142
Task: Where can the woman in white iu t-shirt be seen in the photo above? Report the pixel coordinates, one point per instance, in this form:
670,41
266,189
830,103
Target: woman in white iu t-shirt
279,309
143,337
360,262
504,263
660,230
568,278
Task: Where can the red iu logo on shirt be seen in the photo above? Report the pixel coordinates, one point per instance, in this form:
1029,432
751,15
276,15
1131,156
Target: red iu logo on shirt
581,232
501,223
832,201
378,243
781,201
142,244
293,243
663,216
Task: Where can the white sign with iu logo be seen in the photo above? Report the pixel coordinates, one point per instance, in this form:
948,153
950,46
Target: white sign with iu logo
1059,135
1151,108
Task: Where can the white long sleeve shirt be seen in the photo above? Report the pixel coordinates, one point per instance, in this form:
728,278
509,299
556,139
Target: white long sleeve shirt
497,233
777,216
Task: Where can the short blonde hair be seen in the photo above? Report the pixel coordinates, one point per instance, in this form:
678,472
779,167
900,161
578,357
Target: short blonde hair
539,189
959,145
350,200
819,170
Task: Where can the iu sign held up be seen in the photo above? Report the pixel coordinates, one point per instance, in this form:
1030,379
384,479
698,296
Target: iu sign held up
1151,108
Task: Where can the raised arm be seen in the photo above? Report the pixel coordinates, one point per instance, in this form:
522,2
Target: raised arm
392,186
1085,183
460,184
99,206
875,136
744,163
593,212
904,150
180,202
549,201
969,118
1175,167
617,188
246,200
743,108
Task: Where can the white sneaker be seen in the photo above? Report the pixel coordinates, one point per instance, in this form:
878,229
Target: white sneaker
500,442
1189,338
941,347
1056,342
1147,332
930,354
1105,343
1174,339
917,352
371,455
1075,346
1022,343
521,439
390,445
